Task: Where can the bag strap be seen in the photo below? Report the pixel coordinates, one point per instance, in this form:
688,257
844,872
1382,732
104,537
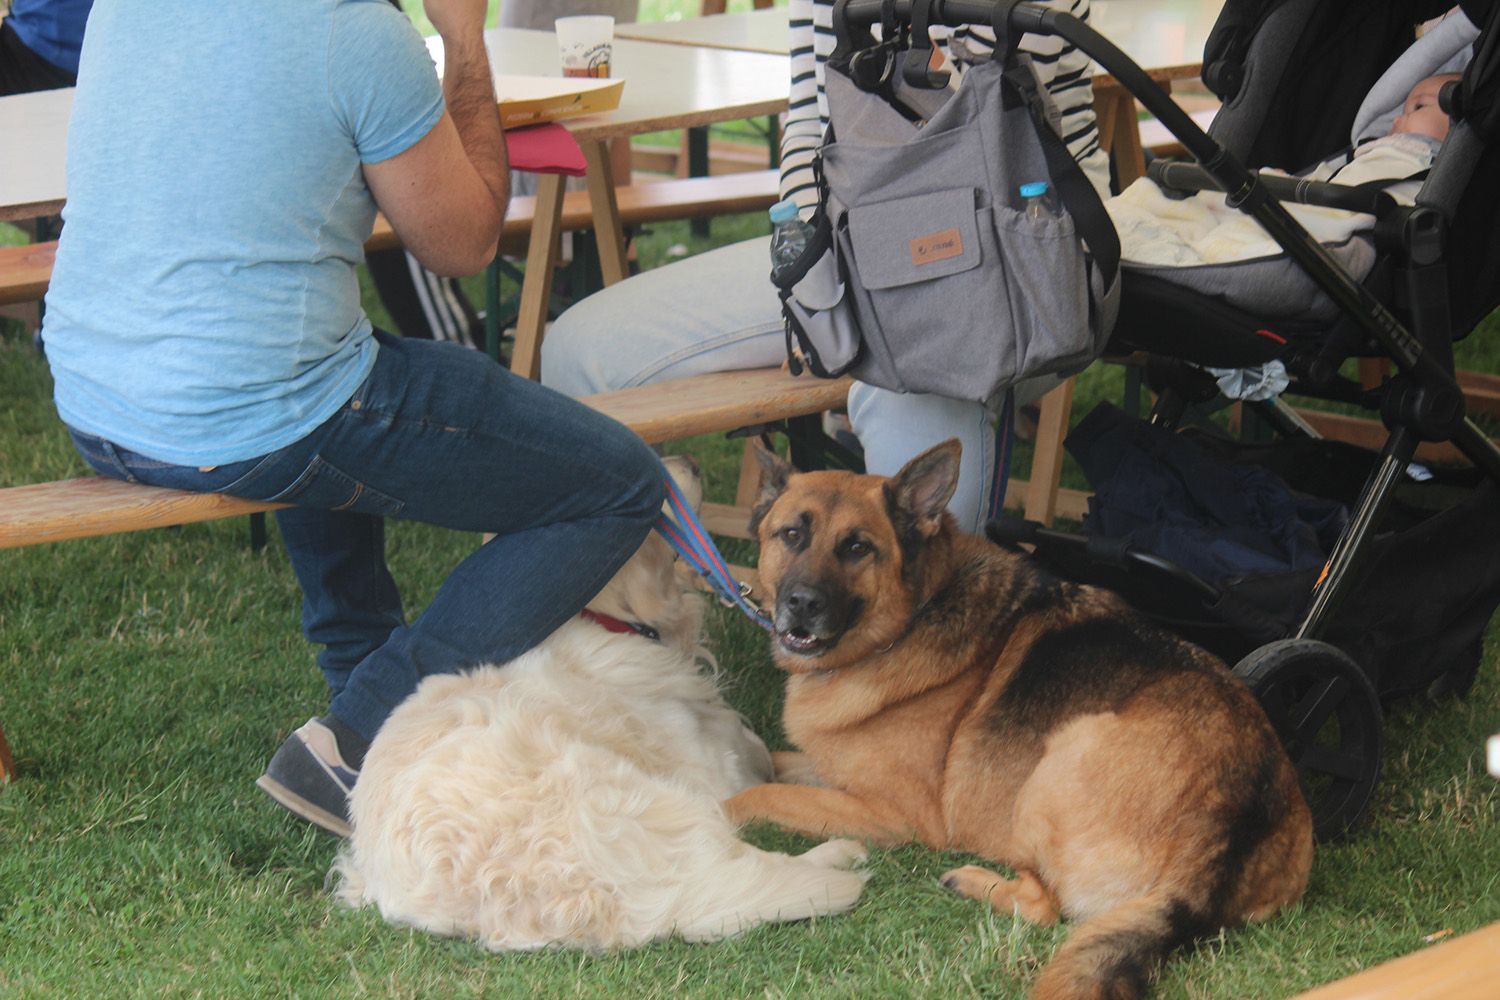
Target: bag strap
1004,439
1077,194
916,61
1005,42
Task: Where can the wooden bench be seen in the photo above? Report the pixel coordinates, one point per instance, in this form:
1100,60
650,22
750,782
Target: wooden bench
93,506
1464,968
26,270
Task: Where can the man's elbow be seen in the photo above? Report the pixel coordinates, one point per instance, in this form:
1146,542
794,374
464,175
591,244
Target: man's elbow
460,253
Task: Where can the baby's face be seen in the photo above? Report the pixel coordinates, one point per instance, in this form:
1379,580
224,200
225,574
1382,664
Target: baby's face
1421,113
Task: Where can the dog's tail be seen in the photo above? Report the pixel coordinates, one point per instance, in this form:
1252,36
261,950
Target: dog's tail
1113,956
760,886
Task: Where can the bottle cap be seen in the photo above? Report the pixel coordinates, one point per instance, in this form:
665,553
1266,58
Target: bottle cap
1034,189
784,211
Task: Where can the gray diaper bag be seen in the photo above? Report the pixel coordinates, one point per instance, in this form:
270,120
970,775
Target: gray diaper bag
923,272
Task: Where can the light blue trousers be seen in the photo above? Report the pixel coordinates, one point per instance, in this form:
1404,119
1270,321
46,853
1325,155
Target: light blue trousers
718,311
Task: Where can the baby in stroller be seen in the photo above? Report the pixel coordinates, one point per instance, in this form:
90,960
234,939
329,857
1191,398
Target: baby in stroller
1204,244
1203,229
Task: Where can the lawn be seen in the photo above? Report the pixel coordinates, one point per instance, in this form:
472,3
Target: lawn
145,680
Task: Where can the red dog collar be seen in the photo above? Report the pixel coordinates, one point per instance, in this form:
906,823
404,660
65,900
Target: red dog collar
613,624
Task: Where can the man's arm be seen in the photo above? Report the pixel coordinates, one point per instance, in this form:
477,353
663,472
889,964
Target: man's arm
445,196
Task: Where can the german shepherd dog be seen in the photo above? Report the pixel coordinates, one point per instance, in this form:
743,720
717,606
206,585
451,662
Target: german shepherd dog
946,689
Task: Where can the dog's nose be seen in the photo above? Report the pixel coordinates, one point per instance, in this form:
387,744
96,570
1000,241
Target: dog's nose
806,601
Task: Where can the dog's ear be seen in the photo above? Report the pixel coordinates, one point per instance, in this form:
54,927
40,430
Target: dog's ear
775,472
920,492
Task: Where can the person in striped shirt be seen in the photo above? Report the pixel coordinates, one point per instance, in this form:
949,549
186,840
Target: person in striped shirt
718,311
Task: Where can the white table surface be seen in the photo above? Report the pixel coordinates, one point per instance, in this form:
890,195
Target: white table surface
1158,34
753,31
33,152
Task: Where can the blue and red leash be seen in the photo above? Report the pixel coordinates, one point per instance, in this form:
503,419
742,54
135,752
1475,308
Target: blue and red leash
685,533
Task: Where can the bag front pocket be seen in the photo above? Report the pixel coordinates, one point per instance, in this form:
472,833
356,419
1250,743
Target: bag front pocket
930,290
913,240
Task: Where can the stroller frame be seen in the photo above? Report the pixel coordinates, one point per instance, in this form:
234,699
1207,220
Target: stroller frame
1422,402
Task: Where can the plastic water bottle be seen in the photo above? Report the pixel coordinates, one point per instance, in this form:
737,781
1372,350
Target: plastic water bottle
789,236
1034,200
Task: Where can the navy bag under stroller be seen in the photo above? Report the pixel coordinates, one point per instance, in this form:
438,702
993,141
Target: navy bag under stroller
1435,275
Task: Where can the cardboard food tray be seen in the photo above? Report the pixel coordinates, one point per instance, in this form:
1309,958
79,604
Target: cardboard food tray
531,100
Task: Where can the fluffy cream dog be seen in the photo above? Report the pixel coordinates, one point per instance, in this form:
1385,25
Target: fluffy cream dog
572,796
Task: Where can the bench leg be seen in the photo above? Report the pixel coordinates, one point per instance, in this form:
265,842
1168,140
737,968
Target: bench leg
7,762
748,490
1046,460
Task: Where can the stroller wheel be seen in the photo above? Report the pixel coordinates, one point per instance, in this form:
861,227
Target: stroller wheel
1329,719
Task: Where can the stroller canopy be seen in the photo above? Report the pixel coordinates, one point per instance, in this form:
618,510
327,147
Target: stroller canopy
1306,65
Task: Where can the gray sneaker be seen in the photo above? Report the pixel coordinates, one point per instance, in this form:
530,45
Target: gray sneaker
308,777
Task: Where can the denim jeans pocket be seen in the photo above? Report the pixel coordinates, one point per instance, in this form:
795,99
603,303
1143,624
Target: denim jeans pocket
320,484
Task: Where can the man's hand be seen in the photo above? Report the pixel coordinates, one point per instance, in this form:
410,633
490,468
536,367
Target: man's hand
445,196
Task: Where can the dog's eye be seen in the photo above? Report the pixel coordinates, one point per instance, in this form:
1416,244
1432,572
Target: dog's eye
857,549
792,536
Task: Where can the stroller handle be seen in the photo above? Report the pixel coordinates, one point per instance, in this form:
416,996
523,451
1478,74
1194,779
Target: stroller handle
1177,176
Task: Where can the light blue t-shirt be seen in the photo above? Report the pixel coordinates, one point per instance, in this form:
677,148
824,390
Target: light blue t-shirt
204,307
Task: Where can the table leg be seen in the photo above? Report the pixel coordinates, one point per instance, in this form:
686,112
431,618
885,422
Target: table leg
536,287
1119,133
608,233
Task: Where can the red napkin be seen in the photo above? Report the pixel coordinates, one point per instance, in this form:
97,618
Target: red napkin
544,149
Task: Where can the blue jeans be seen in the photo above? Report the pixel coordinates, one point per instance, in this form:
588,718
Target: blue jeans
440,434
718,311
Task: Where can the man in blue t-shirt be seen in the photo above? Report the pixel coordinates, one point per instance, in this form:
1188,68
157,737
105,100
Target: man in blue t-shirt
39,42
204,330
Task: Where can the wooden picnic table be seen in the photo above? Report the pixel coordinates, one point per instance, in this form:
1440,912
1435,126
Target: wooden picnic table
753,31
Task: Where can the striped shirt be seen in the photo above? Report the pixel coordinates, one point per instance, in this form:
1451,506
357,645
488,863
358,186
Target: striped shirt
1064,70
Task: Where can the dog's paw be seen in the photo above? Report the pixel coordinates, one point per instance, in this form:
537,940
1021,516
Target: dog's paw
972,881
1025,895
837,854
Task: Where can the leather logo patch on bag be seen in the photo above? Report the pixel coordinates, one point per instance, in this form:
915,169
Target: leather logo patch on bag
936,246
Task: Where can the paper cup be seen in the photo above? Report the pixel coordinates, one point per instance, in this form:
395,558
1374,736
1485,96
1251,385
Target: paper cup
585,43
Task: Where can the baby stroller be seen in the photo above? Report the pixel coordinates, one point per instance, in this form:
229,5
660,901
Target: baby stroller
1436,275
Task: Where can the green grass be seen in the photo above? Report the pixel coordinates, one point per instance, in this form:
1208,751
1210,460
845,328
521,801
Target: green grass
146,678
